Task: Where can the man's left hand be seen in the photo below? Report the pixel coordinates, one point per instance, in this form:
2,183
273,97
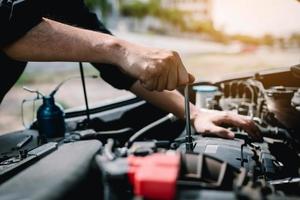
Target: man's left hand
208,122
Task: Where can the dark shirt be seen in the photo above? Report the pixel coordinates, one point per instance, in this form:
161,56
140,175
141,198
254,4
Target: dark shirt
17,17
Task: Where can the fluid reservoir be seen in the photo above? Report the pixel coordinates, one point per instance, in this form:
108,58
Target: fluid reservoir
204,93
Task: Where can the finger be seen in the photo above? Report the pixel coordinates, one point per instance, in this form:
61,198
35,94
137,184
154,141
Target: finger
219,131
191,78
155,83
183,76
256,132
242,122
249,126
223,132
162,82
172,79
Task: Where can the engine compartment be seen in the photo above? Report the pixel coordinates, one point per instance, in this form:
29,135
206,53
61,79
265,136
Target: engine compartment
142,150
272,163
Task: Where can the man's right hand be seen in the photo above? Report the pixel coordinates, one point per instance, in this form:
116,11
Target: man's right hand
156,69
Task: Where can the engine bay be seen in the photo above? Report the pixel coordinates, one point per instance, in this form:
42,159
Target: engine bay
133,150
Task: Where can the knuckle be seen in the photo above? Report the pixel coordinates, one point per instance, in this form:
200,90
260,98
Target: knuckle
170,56
175,53
152,71
160,61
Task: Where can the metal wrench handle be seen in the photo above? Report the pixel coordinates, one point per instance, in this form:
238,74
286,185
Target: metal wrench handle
188,137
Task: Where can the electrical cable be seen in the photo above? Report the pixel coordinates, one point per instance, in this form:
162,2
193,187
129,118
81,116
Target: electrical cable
141,132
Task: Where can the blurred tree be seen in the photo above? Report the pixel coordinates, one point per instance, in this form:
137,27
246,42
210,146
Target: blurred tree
207,27
92,3
134,9
246,39
268,40
294,40
281,42
140,9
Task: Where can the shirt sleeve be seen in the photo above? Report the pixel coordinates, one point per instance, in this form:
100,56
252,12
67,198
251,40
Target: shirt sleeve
114,76
17,17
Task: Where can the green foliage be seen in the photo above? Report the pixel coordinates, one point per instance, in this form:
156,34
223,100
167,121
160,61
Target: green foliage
103,5
174,17
93,3
268,40
207,27
141,9
135,9
295,39
246,39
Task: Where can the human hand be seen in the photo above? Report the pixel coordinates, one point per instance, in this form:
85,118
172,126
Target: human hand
208,122
157,69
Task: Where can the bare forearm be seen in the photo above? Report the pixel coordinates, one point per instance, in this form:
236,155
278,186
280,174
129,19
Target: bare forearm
54,41
204,121
170,101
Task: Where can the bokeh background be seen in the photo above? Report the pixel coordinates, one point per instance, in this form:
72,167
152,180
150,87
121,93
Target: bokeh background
215,38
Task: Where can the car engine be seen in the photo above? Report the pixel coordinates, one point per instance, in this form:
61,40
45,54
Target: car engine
133,150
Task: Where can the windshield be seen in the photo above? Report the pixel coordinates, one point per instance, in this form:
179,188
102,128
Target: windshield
213,37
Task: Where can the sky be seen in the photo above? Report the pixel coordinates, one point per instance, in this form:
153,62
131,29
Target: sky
257,17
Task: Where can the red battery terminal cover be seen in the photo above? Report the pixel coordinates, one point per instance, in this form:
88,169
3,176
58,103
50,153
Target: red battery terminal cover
154,176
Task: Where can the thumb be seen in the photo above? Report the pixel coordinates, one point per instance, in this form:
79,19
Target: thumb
222,132
191,78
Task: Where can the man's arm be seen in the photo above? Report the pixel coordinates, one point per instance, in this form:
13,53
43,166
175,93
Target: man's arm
204,121
156,69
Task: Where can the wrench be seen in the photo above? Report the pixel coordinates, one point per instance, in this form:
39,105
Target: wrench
188,137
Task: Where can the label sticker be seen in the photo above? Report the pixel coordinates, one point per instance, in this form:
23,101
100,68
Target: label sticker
211,148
